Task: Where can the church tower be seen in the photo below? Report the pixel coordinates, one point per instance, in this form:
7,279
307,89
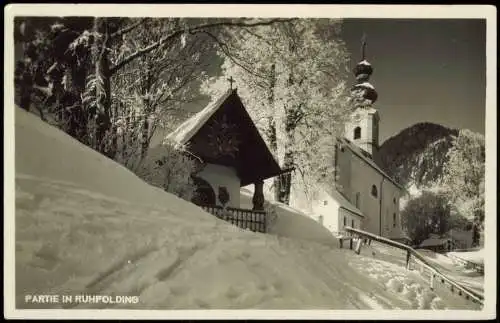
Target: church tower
363,126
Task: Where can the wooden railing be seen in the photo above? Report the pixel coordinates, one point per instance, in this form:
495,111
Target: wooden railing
435,276
243,218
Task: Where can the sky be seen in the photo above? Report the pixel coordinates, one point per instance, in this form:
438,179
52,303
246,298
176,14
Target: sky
424,70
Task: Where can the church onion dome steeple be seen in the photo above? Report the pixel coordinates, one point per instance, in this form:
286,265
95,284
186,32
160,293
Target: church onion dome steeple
363,71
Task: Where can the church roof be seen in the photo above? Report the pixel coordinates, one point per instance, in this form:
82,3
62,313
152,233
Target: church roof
358,152
433,242
343,202
253,160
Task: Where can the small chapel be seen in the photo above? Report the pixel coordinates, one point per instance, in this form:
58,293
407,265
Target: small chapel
362,196
230,151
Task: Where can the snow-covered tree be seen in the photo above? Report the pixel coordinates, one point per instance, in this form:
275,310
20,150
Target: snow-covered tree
170,169
292,78
464,176
73,61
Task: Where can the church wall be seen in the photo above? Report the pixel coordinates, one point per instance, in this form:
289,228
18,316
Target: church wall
349,219
368,121
217,175
326,210
363,177
343,172
356,176
390,207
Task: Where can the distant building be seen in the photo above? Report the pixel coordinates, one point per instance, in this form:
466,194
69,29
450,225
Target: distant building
451,240
363,195
436,243
460,239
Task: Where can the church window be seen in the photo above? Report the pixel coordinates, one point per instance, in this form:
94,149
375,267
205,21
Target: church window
357,132
358,197
352,223
345,221
394,200
394,220
374,191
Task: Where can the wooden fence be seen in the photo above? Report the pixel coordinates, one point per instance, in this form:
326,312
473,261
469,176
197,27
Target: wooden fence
243,218
413,257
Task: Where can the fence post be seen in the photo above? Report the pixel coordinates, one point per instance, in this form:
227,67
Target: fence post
358,247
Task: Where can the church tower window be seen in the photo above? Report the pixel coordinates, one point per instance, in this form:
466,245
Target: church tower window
357,133
374,191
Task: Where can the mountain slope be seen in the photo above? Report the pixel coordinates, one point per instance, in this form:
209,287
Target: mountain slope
416,156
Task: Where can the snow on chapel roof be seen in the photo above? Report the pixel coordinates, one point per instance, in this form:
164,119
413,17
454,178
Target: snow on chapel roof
190,127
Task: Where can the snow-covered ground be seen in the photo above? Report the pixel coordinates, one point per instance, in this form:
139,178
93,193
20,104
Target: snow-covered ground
476,256
85,224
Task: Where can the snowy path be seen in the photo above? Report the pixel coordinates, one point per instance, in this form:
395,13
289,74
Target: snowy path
387,265
71,241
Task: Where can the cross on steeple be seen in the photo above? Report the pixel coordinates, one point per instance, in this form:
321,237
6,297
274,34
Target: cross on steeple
363,46
231,81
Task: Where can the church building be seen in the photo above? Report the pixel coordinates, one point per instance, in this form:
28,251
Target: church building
363,195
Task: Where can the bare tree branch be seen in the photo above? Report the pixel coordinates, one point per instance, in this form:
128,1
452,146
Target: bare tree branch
195,29
128,28
223,47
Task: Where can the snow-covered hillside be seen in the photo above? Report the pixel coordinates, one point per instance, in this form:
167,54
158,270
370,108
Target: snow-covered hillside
85,224
415,157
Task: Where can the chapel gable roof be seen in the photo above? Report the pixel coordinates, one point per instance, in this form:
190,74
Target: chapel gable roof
253,159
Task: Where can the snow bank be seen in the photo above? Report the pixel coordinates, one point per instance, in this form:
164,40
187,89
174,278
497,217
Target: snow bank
86,225
293,223
476,256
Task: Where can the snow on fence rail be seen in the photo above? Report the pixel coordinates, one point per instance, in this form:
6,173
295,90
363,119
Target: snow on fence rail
433,272
243,218
467,263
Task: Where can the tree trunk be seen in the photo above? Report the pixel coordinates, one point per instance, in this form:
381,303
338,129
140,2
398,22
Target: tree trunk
103,88
145,136
289,157
271,125
286,179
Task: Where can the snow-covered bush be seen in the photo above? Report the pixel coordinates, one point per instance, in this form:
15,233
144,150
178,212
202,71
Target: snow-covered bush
170,169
